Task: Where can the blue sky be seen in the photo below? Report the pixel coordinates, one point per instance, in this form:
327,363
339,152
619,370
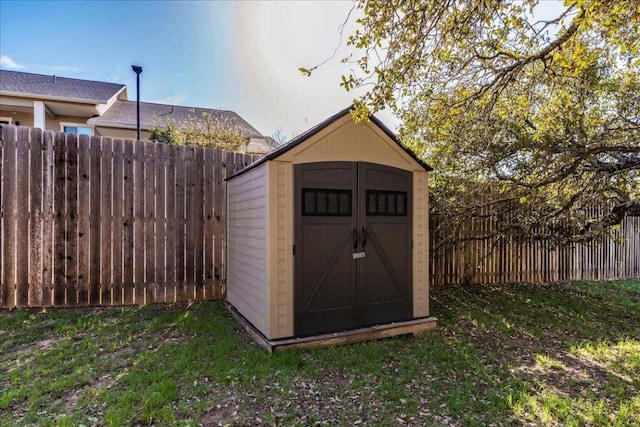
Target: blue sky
240,56
234,55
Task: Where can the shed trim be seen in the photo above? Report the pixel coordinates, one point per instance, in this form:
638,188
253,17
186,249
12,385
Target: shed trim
319,127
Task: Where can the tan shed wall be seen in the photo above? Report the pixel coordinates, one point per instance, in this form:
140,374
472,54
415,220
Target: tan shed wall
247,276
280,252
420,244
350,142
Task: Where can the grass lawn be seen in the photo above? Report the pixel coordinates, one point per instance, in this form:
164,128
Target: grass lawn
554,354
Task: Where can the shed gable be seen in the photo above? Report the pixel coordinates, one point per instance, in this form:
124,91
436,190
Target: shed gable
344,140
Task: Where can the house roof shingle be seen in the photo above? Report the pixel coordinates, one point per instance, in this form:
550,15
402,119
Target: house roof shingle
123,114
41,85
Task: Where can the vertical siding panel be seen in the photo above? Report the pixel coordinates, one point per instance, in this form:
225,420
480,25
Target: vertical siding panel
107,228
71,267
161,219
209,219
96,214
48,218
9,207
138,222
118,222
84,212
181,153
59,221
420,262
151,188
127,223
35,220
170,229
22,218
218,201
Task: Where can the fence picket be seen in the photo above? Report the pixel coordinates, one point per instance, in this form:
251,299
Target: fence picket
117,223
150,218
9,207
95,207
35,216
171,228
127,223
198,220
59,219
189,228
138,223
47,219
161,221
84,194
208,226
181,156
71,260
218,183
22,218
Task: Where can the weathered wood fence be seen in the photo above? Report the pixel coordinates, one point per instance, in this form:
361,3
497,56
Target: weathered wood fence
99,221
95,221
616,256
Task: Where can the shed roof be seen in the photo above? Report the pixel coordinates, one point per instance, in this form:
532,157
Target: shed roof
319,127
123,114
44,86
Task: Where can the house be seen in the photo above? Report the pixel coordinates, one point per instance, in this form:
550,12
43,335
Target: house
330,233
98,108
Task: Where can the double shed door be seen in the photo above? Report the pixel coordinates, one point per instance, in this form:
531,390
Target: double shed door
352,246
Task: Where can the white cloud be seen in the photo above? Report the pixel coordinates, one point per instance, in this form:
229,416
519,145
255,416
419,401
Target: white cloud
7,62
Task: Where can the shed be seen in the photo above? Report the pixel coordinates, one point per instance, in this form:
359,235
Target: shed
329,232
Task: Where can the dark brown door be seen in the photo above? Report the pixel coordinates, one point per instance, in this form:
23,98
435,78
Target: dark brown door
384,274
352,246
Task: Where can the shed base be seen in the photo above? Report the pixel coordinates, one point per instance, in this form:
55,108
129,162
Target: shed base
410,327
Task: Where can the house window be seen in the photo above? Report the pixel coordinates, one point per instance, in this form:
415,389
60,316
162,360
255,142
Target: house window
77,129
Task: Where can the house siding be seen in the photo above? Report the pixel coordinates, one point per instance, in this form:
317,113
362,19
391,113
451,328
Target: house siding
247,277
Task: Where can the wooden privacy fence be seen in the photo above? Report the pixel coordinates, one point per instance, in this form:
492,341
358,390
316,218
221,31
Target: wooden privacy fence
95,221
616,256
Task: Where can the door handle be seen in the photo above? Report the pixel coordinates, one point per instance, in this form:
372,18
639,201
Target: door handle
364,236
355,238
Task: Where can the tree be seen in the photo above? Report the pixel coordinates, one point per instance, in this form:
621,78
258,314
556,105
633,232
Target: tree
205,130
280,137
538,118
